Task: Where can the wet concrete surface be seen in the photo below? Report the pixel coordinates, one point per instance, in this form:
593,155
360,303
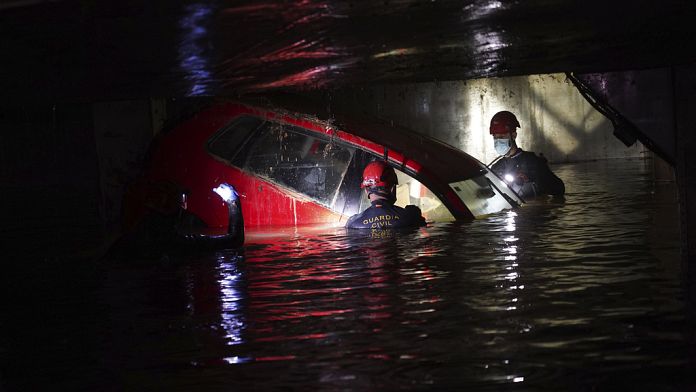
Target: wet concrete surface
580,294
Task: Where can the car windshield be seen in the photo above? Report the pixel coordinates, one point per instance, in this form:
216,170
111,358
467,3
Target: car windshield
225,144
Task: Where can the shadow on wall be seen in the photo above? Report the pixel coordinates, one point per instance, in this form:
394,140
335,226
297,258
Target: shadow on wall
566,128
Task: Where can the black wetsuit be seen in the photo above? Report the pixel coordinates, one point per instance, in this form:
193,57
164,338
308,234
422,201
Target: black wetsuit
532,174
385,215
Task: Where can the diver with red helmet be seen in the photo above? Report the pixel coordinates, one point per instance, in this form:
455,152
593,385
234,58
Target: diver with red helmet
379,182
526,173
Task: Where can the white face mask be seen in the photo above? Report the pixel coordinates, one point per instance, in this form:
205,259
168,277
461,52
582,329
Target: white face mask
502,146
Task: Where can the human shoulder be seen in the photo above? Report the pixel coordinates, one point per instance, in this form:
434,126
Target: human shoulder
412,209
415,213
527,154
533,158
351,221
354,220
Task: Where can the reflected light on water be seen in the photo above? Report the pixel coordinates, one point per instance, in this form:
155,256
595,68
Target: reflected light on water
510,221
555,296
231,312
510,257
192,49
511,249
236,360
397,52
489,45
482,9
305,76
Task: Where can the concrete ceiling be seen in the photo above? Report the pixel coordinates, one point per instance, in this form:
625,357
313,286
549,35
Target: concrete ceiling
101,50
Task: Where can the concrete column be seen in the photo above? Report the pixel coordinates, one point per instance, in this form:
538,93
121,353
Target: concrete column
685,107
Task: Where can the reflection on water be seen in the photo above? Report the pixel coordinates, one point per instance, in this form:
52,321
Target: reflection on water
578,294
193,48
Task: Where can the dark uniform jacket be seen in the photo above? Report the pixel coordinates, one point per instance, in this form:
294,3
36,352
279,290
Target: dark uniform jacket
532,174
385,215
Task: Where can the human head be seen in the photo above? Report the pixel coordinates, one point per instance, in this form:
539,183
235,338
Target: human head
503,127
380,179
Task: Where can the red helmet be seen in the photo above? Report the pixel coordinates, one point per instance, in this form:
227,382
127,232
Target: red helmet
504,123
378,174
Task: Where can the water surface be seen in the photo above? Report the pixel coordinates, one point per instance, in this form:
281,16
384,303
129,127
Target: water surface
583,293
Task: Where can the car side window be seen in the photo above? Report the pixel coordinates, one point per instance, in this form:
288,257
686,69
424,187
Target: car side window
409,191
290,156
226,143
351,198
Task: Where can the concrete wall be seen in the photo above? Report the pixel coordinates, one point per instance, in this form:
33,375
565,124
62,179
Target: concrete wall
123,131
48,176
556,120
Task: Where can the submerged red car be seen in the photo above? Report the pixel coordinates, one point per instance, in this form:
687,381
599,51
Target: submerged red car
240,166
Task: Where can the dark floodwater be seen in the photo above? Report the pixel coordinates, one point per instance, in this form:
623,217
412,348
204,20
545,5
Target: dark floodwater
580,294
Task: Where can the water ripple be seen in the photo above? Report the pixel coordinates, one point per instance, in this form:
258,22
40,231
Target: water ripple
581,294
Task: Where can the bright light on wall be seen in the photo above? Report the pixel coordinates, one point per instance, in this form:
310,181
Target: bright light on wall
483,102
553,116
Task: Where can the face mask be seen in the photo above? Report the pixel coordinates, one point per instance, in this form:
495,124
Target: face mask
502,146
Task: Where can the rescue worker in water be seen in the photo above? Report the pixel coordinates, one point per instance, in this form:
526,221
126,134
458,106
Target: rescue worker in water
379,182
526,173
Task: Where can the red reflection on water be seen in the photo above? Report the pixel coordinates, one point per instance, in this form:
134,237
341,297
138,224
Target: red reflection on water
312,76
296,315
282,10
275,358
300,289
297,337
251,9
298,50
